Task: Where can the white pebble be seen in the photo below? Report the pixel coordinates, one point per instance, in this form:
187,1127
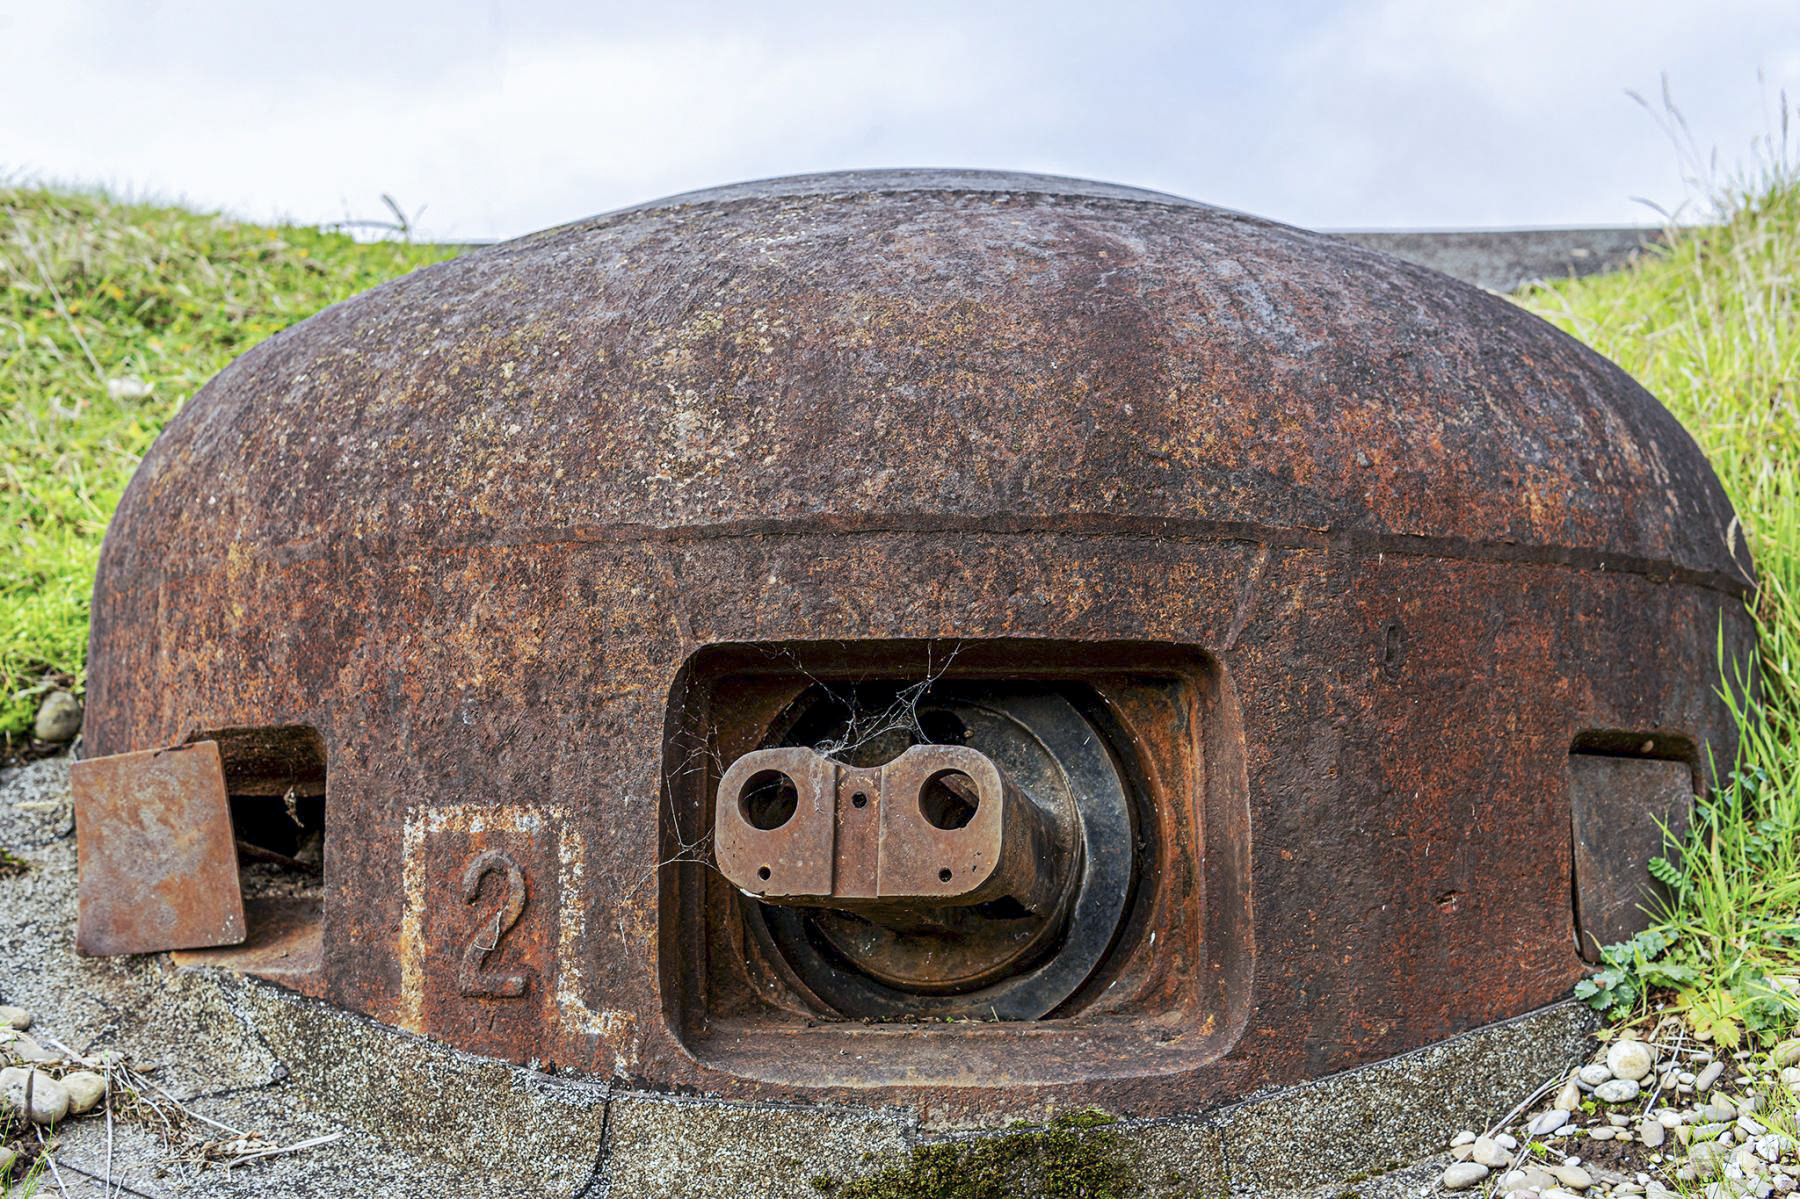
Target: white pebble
1593,1074
1506,1140
19,1047
49,1101
1604,1132
1572,1175
1619,1090
1465,1137
1545,1123
1569,1098
1488,1152
85,1088
1652,1132
14,1017
1629,1059
1707,1077
1463,1175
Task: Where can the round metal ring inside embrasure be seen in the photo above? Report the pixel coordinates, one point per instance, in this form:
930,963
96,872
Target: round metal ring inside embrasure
990,961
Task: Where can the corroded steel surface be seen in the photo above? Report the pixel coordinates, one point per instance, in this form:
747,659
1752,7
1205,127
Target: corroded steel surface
1348,553
158,864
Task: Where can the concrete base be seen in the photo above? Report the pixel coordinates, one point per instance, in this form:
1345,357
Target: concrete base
420,1119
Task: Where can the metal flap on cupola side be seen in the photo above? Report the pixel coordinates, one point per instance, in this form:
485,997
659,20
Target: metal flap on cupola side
972,640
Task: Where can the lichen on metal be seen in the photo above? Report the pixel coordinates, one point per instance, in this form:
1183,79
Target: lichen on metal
1319,566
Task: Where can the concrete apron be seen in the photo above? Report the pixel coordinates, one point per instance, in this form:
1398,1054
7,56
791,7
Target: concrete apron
418,1118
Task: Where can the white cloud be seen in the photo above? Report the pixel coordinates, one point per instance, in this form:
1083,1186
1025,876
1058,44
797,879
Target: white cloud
1517,112
502,118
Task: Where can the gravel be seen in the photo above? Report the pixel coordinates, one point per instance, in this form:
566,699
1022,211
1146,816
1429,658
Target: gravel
44,1086
1661,1116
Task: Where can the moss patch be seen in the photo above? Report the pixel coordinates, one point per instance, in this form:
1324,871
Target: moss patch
1077,1156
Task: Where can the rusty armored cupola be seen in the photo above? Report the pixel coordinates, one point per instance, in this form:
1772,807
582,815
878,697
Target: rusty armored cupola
971,640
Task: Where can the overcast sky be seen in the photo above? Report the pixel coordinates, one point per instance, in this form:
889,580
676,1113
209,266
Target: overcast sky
498,118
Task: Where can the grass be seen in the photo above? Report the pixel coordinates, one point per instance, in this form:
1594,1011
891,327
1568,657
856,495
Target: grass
1711,325
111,314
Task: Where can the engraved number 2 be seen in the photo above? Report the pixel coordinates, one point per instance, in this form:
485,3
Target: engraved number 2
487,937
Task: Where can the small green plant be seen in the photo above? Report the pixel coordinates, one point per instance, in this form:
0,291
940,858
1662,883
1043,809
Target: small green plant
22,1176
1628,968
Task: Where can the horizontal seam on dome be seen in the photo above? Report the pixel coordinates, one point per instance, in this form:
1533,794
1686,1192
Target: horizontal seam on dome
1068,525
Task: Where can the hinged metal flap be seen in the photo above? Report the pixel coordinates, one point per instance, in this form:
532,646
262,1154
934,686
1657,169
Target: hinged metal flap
157,854
1619,808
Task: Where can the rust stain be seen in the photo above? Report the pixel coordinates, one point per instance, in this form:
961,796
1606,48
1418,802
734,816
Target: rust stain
156,854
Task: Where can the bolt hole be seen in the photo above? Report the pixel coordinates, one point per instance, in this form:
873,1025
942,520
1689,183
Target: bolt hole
763,874
859,800
939,727
948,799
944,875
768,800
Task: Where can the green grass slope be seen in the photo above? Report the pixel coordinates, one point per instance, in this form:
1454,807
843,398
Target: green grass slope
1711,325
111,315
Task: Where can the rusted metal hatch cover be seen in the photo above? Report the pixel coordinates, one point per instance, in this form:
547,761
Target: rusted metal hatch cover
157,858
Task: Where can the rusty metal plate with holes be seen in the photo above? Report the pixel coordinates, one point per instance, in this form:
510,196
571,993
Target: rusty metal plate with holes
1619,808
938,825
158,862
